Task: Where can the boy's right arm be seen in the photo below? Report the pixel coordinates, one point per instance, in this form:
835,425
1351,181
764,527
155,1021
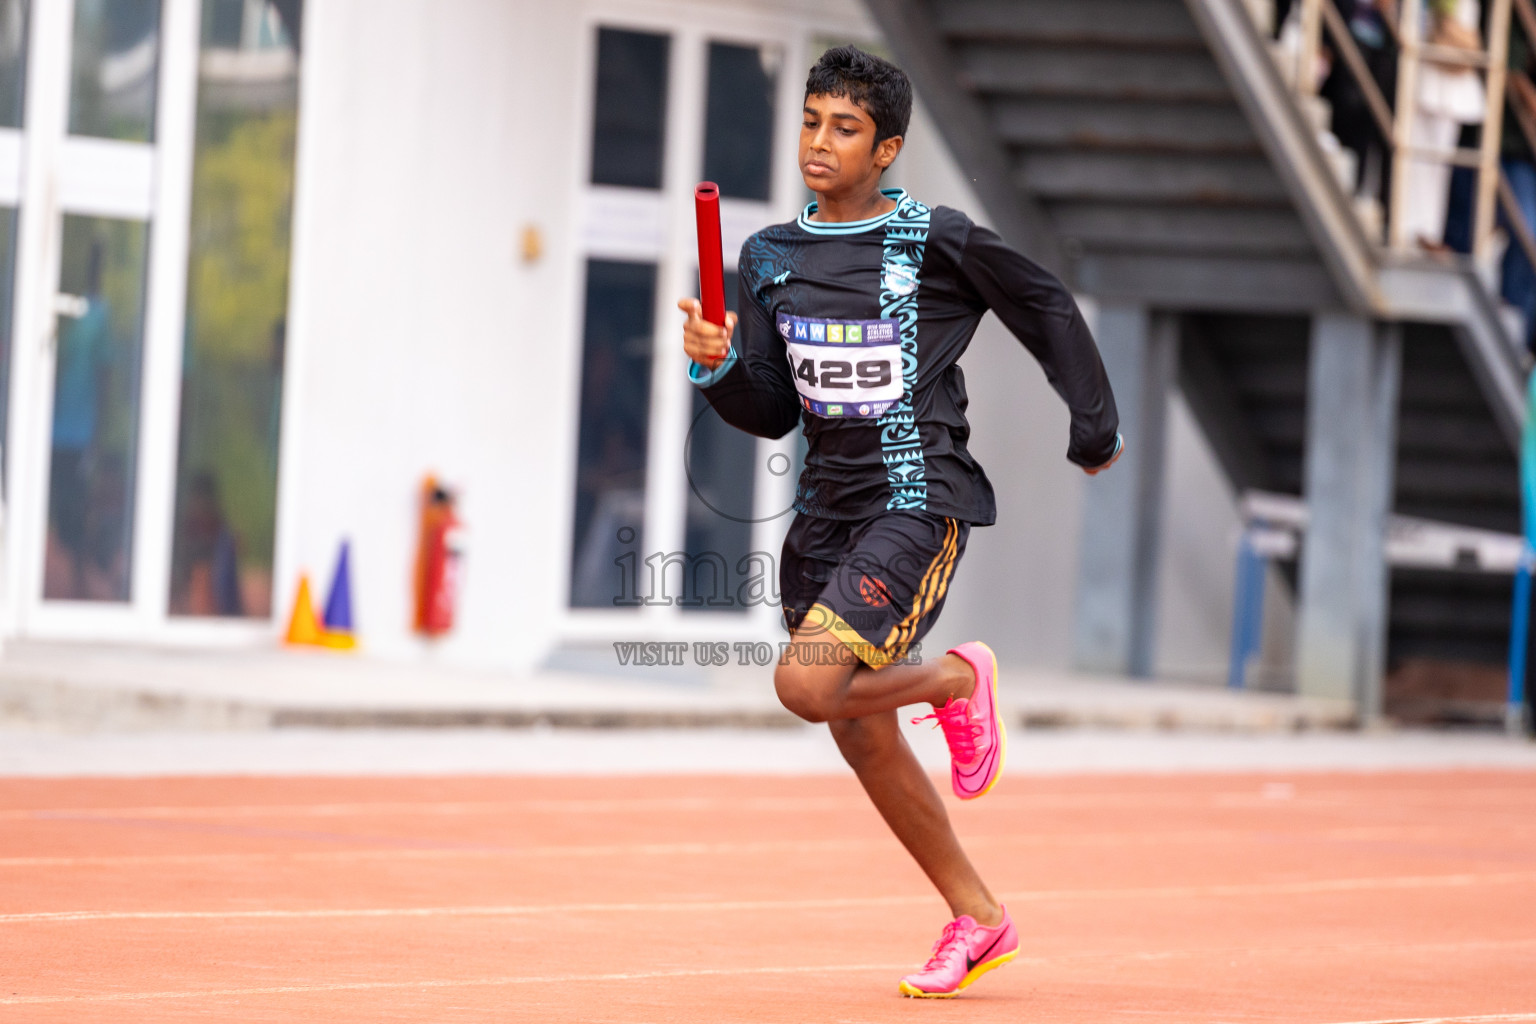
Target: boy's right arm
736,368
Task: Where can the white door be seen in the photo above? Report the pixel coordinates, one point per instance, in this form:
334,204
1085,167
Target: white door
96,326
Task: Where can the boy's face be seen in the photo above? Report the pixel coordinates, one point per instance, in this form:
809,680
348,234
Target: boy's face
838,154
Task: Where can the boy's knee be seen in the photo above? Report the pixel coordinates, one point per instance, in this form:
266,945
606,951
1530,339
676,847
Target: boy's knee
799,693
858,743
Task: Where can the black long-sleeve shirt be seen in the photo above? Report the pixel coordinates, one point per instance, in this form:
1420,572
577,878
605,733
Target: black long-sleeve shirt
856,328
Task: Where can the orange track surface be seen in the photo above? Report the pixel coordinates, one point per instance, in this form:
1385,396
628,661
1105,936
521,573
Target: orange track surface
1308,898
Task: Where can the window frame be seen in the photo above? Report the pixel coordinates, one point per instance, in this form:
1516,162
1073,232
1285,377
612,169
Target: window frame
668,240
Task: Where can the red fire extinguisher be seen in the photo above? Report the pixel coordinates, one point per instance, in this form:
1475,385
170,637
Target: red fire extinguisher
438,555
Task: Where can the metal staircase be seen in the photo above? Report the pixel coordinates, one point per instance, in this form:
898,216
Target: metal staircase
1152,151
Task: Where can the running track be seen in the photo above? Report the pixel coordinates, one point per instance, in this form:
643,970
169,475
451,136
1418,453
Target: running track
1308,898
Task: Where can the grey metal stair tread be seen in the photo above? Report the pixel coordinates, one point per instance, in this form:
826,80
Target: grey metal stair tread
1135,23
1200,282
1138,226
1147,177
1269,381
1287,468
1437,614
1436,392
1484,652
1281,425
1059,122
1089,72
1498,515
1459,479
1462,433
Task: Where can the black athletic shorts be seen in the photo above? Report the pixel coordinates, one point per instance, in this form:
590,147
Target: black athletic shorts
876,584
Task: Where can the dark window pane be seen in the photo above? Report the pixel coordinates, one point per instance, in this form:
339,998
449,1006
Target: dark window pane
13,60
237,310
100,332
223,24
630,109
722,470
115,66
615,421
738,120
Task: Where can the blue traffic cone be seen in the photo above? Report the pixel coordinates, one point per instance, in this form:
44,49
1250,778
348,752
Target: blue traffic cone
338,602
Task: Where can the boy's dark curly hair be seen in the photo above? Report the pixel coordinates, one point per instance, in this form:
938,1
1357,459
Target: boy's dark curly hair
878,86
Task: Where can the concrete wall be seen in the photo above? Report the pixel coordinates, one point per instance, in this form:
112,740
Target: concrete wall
420,341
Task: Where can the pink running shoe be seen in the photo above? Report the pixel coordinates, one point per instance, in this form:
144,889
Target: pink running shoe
963,953
974,730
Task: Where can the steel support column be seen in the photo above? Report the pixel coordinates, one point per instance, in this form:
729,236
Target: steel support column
1116,610
1352,394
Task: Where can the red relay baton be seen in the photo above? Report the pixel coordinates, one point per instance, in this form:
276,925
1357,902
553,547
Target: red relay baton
706,204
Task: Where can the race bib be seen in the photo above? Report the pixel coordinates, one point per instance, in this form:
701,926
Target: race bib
844,368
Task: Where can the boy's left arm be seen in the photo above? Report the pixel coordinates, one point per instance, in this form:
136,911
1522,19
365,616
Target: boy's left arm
1042,314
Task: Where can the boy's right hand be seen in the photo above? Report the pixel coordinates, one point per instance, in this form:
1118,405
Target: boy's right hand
706,344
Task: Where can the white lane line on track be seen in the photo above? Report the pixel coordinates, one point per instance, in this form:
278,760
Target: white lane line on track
1302,796
1400,882
638,805
1484,1019
364,986
492,850
1036,961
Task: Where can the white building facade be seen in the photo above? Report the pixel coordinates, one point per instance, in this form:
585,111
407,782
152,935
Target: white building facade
271,262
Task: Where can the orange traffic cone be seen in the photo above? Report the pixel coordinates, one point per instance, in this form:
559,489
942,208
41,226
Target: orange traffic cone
304,625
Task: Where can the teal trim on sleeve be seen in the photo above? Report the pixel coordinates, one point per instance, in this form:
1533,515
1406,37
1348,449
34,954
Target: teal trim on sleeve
1119,447
704,377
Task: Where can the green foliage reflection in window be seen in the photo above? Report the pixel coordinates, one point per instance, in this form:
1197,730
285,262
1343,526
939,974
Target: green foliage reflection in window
237,302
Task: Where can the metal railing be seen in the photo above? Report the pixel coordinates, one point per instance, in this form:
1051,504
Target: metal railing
1394,120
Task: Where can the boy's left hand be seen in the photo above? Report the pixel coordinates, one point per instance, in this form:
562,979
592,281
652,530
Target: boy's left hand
1119,450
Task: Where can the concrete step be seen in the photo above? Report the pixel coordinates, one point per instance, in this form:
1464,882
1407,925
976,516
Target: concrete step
1271,382
1460,434
1459,614
117,689
1122,124
1145,227
995,69
1429,391
1136,177
1131,23
1495,515
1457,479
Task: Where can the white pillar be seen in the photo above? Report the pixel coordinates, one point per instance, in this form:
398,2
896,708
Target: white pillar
1117,584
1351,445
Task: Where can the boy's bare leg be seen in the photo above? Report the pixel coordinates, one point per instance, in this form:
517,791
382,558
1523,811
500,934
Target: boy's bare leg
821,680
906,798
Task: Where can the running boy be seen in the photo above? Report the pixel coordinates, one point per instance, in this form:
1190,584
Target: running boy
852,319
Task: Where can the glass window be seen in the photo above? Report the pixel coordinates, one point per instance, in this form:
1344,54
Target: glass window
738,119
114,69
95,409
237,307
13,60
630,108
722,471
615,421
